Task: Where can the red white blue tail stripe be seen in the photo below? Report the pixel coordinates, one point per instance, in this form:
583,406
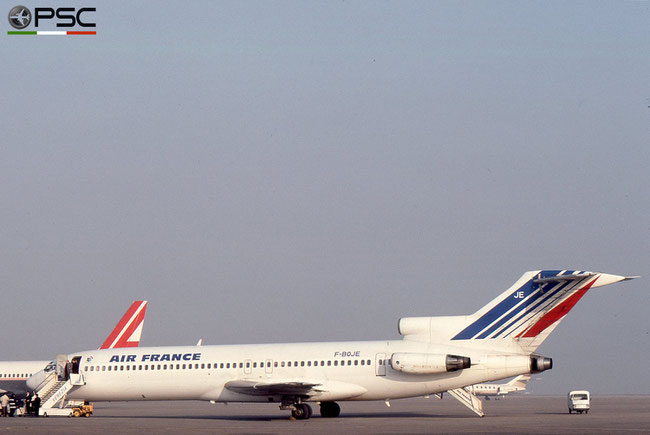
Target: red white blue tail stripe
529,308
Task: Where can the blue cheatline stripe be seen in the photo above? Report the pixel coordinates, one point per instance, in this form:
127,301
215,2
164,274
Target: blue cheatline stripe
564,288
504,306
529,306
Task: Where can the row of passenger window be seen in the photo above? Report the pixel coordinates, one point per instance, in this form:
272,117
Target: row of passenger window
234,365
12,375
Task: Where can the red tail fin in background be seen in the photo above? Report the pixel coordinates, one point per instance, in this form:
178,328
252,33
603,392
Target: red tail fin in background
128,330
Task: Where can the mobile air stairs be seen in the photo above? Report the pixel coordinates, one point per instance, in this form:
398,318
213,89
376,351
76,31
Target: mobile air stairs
54,388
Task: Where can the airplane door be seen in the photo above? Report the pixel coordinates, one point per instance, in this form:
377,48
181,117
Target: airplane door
380,364
269,366
76,377
248,367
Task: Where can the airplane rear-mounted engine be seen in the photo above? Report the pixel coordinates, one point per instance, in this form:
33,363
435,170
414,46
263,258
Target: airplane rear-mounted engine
539,363
428,363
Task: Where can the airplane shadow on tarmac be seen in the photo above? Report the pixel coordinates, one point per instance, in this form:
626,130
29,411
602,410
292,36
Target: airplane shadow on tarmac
286,417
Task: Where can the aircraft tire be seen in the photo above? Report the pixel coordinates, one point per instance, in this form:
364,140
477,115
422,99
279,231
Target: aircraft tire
301,412
330,409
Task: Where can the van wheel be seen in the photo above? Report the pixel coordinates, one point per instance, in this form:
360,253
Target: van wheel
587,411
570,411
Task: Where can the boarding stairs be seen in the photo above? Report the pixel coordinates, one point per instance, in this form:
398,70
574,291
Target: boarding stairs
53,390
469,399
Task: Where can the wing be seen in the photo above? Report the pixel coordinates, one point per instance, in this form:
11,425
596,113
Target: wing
310,388
255,388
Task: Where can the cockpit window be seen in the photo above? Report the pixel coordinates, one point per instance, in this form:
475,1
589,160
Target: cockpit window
50,366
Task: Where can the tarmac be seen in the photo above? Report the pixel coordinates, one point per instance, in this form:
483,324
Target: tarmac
512,414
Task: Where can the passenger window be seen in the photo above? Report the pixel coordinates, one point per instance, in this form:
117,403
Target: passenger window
103,368
329,363
254,365
158,366
221,365
262,365
210,366
336,362
289,364
121,368
127,367
203,366
349,362
302,363
275,364
282,364
109,368
248,365
189,366
241,365
356,362
184,366
164,366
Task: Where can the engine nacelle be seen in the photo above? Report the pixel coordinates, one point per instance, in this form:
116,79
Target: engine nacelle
540,363
428,363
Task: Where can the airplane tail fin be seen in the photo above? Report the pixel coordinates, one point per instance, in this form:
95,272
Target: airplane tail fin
128,330
520,381
518,319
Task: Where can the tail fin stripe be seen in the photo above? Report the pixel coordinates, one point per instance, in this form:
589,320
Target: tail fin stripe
545,299
558,312
493,314
528,288
542,308
535,300
127,324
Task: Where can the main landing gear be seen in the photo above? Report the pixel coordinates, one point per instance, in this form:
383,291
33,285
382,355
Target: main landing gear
329,409
302,411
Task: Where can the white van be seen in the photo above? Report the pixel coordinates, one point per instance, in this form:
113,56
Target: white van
579,401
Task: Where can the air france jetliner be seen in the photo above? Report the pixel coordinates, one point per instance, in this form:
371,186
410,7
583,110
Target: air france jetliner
14,374
436,354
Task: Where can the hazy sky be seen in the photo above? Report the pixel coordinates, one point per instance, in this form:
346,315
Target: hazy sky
302,171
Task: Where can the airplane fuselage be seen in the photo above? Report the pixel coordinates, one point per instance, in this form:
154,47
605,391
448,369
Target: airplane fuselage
343,370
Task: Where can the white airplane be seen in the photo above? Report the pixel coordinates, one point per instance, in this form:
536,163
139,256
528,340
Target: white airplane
436,354
14,374
488,390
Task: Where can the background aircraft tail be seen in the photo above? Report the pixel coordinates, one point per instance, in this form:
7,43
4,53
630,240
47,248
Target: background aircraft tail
128,330
520,381
520,318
